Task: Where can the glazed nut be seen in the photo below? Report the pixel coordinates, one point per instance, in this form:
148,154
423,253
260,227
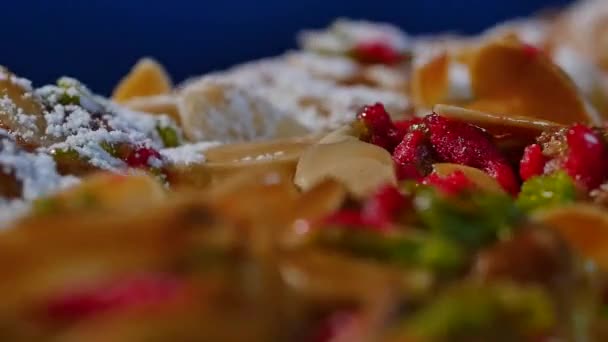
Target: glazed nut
359,166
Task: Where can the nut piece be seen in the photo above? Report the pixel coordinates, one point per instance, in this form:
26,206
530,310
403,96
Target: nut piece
360,166
147,78
158,104
584,228
221,111
20,109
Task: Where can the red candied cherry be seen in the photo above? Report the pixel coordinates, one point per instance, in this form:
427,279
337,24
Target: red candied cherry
346,218
452,184
378,212
414,156
405,126
462,143
376,52
140,157
122,294
335,326
383,206
532,163
531,51
408,171
587,158
504,175
376,118
380,128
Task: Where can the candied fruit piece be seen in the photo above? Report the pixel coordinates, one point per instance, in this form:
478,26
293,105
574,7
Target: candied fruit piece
380,128
141,157
376,52
414,156
473,220
346,218
546,191
474,312
452,184
462,143
378,212
376,118
122,294
334,325
531,51
587,158
383,206
532,163
169,136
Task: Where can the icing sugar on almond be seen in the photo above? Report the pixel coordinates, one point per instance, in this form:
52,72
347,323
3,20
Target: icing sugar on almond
188,154
36,172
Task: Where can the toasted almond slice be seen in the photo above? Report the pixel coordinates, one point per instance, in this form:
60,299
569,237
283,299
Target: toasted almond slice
147,78
107,191
584,227
226,160
221,111
511,78
158,104
430,81
21,111
497,124
316,274
360,166
256,152
479,178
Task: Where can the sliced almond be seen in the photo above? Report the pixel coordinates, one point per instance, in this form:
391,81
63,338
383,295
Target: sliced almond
360,166
159,104
21,110
230,159
221,111
497,124
584,227
107,191
430,80
512,78
147,78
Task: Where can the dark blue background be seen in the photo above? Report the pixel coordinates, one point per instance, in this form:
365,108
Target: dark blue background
98,40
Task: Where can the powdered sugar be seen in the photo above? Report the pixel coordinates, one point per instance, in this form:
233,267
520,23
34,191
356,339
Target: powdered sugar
261,157
188,154
343,34
219,109
35,172
316,103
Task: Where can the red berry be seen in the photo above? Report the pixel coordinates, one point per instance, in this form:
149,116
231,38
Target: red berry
504,175
124,294
383,141
532,163
376,118
376,52
378,212
336,326
462,143
382,208
587,158
381,130
531,51
413,153
346,218
404,126
140,157
452,184
408,171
